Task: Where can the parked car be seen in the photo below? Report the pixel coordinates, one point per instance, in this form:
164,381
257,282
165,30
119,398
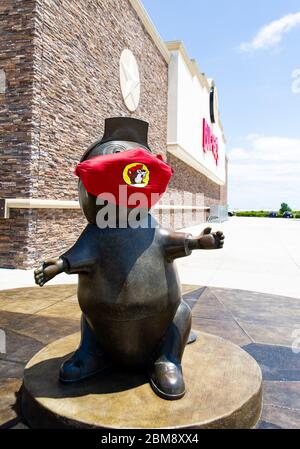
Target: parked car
230,214
288,214
272,214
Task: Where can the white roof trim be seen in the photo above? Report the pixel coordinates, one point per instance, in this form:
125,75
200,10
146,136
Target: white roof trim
191,63
166,47
151,29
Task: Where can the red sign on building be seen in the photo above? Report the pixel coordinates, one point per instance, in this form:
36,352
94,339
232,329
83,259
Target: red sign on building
210,141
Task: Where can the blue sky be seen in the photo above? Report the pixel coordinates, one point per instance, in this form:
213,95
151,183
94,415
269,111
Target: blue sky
252,50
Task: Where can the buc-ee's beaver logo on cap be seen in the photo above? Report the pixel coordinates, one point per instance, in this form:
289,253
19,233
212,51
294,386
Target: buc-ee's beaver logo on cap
136,174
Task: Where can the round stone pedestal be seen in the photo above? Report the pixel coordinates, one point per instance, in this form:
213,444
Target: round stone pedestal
223,383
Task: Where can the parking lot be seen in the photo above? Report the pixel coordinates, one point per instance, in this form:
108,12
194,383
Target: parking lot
260,254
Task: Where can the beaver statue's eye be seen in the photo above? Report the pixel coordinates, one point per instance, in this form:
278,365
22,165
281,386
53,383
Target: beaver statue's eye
118,148
113,148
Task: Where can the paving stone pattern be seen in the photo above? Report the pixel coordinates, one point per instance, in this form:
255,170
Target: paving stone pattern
264,325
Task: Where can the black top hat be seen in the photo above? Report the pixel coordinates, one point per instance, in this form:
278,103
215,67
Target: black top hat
122,129
126,128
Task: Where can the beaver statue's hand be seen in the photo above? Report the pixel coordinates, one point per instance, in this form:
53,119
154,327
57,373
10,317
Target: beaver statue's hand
48,270
211,240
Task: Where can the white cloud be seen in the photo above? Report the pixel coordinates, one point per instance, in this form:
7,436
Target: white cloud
268,149
265,173
270,35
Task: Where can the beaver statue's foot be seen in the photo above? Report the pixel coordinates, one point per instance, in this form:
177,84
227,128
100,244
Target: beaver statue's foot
166,379
81,365
165,372
87,360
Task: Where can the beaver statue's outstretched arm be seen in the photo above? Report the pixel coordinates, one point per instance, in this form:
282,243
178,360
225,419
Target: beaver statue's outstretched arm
83,255
179,244
48,270
207,240
78,259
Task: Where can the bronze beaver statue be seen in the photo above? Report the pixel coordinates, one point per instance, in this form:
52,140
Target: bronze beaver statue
129,292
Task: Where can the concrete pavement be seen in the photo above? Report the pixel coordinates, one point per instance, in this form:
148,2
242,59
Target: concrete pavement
260,254
265,326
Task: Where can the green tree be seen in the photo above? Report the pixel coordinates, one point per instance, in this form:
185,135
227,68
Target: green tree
284,208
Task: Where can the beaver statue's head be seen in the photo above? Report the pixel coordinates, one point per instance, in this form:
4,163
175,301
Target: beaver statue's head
120,134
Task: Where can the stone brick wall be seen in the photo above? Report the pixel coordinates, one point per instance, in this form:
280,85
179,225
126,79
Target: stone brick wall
16,64
61,63
189,179
16,60
78,48
62,68
52,232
